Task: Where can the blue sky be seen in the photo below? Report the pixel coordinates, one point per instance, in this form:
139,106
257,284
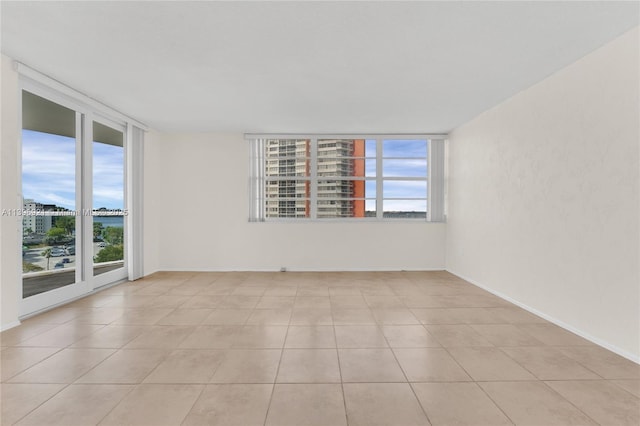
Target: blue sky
48,171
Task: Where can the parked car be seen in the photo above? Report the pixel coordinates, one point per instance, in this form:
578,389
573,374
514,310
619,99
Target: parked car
102,245
66,260
58,252
59,265
71,250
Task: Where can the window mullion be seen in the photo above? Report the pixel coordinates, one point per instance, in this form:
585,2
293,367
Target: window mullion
313,177
379,182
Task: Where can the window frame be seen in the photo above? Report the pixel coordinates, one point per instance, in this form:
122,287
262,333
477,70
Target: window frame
434,177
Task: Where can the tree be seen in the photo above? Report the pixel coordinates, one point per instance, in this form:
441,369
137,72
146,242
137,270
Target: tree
113,235
109,254
55,235
97,230
46,253
68,223
27,231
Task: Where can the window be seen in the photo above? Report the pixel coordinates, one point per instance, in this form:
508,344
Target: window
321,177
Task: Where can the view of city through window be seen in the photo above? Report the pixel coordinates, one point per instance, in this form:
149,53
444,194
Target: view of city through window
50,210
345,178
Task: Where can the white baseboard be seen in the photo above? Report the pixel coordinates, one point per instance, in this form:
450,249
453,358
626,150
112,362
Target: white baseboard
623,353
10,325
376,269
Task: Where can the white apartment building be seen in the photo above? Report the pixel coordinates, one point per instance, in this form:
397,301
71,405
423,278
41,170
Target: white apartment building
34,219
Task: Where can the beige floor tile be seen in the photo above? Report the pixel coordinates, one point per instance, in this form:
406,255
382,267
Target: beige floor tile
604,402
15,360
632,386
534,404
238,302
161,337
360,336
155,405
369,365
62,335
458,404
310,337
516,315
606,363
371,404
99,316
454,316
419,301
18,400
248,366
311,317
269,317
335,291
430,365
391,316
211,337
552,335
276,302
78,405
217,290
57,316
260,337
231,405
202,301
451,336
111,336
307,404
348,302
353,317
142,316
64,366
187,366
315,291
409,336
547,363
135,300
127,366
281,291
377,289
489,364
384,302
249,291
227,317
309,366
312,302
185,317
505,335
23,332
170,301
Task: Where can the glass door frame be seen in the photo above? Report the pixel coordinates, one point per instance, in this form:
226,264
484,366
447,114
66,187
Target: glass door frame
85,281
120,273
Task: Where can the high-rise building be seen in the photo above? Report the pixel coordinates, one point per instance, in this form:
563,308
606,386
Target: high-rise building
34,219
340,164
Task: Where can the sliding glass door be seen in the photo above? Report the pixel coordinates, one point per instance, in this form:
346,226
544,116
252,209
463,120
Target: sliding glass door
51,143
108,199
74,208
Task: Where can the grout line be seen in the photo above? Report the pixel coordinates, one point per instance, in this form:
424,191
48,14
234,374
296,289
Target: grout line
275,379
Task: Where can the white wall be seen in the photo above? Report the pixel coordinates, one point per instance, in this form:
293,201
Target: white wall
200,184
544,197
152,203
10,279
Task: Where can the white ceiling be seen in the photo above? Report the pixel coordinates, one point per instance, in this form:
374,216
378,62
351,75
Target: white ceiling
396,67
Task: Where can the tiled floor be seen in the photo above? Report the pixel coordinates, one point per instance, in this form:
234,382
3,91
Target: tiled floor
307,349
